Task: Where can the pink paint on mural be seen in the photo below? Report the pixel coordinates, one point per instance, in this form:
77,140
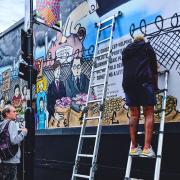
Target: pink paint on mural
49,11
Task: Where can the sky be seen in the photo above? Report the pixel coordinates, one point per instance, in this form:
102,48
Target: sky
11,11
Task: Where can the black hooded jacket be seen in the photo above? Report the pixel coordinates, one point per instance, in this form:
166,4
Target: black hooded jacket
140,65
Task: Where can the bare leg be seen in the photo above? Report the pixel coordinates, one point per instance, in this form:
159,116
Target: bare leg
134,120
148,125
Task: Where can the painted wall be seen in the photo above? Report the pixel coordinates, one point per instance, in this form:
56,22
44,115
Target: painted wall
64,59
12,89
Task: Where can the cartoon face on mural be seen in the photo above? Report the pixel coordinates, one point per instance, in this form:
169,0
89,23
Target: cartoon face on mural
41,103
76,67
24,92
40,86
17,91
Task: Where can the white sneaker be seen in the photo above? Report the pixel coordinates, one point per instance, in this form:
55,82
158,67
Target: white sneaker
135,151
148,152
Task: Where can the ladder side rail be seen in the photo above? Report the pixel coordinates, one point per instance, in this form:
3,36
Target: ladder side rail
80,143
94,60
89,89
161,132
105,84
128,166
96,147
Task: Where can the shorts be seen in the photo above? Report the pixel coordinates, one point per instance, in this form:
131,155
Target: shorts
142,95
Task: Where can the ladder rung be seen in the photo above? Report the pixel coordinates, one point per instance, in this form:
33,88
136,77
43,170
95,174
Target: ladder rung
97,84
106,20
91,118
142,132
85,155
88,136
159,111
96,100
132,179
104,40
82,176
110,18
101,54
101,29
98,69
141,156
163,72
161,91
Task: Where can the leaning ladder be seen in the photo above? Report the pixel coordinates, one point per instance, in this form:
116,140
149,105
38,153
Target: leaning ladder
102,26
160,137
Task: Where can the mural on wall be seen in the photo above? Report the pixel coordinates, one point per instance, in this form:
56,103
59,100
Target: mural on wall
12,89
67,58
64,57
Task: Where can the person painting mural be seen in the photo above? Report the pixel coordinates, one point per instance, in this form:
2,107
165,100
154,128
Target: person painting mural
140,84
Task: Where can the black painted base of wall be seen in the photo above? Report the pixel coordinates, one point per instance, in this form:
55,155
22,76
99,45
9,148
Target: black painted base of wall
56,150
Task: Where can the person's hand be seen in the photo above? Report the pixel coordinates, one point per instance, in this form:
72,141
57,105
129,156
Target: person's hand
24,130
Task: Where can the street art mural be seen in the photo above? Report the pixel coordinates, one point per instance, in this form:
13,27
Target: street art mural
73,46
12,89
64,58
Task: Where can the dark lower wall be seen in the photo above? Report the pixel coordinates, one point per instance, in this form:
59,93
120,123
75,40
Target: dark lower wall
55,154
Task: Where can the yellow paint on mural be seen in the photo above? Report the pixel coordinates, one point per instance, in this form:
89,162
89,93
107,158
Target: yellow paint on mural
41,84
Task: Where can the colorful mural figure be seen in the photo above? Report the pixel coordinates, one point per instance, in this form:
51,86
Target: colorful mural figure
77,82
56,89
17,99
24,92
41,115
41,92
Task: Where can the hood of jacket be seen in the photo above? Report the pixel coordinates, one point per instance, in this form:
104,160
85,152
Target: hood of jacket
134,48
2,124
